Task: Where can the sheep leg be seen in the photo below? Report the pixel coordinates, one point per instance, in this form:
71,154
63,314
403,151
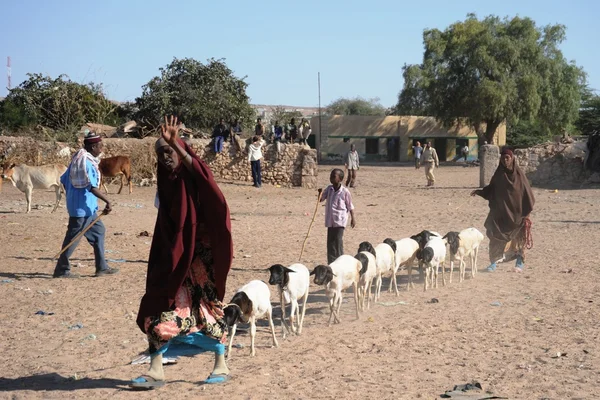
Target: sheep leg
443,266
252,335
436,271
369,297
28,192
231,335
272,325
378,287
331,308
284,325
452,270
426,278
294,308
395,283
361,297
303,312
356,299
474,263
58,197
340,300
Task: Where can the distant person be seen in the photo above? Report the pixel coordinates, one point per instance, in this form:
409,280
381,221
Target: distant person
277,135
292,131
219,135
417,151
352,165
339,204
81,182
304,131
511,201
235,132
430,159
259,128
254,156
465,152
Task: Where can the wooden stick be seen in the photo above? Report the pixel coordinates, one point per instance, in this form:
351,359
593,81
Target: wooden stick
310,226
79,235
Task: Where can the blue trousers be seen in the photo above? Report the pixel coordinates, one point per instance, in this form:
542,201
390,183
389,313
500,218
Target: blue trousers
256,173
95,237
219,143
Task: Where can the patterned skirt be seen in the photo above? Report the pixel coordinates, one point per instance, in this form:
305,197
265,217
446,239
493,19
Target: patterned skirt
196,310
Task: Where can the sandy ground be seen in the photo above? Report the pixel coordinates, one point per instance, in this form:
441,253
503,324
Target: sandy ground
407,350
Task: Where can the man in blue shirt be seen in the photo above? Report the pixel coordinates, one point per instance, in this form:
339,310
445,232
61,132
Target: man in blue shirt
82,182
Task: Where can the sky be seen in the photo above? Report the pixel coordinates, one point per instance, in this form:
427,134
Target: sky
359,47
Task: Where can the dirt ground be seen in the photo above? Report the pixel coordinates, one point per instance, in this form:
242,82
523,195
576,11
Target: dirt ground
406,348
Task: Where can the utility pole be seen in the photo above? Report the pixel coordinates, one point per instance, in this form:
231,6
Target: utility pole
8,72
320,117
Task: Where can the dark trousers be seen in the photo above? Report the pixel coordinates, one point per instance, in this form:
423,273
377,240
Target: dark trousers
335,243
256,173
351,178
219,143
94,236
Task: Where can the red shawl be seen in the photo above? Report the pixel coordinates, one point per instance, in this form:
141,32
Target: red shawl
191,203
510,199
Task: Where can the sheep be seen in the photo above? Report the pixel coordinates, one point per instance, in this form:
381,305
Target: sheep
422,238
406,254
462,244
384,257
366,279
251,301
293,283
338,276
432,255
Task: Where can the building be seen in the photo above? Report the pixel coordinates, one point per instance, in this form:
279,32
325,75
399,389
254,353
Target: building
391,138
266,111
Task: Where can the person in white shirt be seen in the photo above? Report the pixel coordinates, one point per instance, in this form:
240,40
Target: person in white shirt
465,152
352,165
254,156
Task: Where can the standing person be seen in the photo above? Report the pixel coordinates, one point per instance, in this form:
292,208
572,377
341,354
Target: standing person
511,201
219,135
352,165
235,131
292,131
259,128
81,182
277,135
254,156
304,131
339,204
430,159
465,152
189,261
417,151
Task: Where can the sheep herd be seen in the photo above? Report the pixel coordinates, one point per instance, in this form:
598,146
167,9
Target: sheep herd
426,250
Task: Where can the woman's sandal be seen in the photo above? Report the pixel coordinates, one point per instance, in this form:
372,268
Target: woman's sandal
215,379
146,382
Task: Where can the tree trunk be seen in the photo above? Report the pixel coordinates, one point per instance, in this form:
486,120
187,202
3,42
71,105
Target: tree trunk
490,131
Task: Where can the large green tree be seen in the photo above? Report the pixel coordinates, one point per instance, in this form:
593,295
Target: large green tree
589,112
493,70
356,106
59,104
199,94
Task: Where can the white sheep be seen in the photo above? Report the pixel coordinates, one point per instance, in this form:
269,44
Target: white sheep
406,256
432,256
338,276
369,265
422,238
293,283
464,244
384,257
251,301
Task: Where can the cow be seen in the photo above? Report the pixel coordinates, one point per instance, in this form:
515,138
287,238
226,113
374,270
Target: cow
26,178
113,166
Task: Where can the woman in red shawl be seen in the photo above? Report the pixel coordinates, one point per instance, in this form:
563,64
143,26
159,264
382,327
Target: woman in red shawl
511,201
189,261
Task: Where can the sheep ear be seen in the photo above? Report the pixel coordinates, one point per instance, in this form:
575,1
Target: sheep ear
286,269
312,272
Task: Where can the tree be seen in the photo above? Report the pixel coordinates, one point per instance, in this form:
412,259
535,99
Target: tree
485,72
589,113
58,104
356,106
199,94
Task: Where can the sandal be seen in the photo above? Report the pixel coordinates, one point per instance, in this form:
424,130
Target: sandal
146,382
214,379
491,268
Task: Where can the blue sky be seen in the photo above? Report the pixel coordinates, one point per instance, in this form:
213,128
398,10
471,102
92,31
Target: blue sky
358,46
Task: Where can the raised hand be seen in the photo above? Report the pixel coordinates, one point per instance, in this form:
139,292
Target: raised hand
170,130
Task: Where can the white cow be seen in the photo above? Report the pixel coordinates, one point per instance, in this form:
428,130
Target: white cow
26,178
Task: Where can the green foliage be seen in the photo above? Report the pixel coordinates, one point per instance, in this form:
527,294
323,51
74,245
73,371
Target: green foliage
356,106
589,114
58,104
284,117
526,133
199,94
494,70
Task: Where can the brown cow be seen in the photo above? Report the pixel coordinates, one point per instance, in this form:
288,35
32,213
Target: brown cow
26,178
112,166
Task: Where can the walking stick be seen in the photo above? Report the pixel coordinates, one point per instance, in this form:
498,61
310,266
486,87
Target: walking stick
80,234
310,226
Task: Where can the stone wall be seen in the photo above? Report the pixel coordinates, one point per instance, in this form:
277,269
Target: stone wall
554,164
294,165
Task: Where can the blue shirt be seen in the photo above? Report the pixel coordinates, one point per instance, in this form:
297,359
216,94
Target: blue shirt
81,202
417,150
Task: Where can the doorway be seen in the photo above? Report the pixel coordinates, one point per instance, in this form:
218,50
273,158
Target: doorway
393,149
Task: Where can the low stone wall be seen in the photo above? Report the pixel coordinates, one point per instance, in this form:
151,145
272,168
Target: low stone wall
294,165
